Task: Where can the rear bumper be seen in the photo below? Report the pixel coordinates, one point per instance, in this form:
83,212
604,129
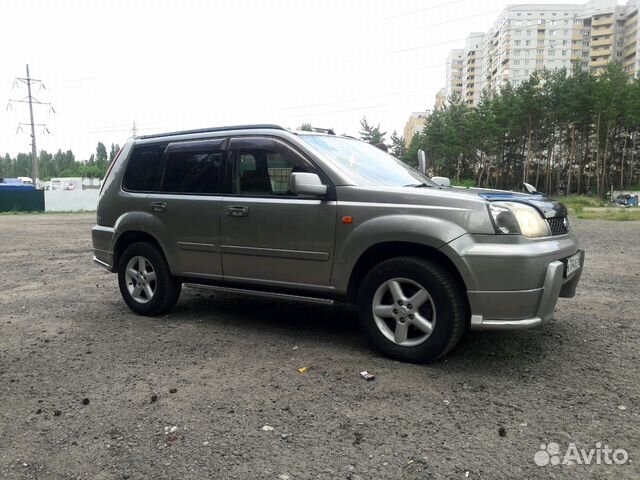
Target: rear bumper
536,305
102,238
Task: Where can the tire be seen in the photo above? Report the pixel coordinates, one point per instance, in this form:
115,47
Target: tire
163,289
418,333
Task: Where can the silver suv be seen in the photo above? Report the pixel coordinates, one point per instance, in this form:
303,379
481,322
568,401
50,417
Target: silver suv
262,210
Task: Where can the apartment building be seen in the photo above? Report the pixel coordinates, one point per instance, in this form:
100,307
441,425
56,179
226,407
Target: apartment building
528,38
631,40
455,64
441,99
414,125
472,68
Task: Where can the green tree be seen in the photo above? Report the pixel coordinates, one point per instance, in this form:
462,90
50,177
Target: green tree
371,134
398,148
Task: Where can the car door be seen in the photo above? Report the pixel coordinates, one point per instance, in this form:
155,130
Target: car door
188,206
270,236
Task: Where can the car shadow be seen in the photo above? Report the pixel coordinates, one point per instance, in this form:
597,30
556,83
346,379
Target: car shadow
295,320
338,324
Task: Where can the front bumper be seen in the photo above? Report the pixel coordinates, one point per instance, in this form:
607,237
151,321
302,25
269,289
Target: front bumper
555,286
513,282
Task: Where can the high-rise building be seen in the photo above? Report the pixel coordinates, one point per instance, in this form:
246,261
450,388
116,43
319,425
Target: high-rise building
631,41
472,68
530,37
455,64
441,99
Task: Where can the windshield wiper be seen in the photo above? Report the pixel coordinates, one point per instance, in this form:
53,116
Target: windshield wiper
418,185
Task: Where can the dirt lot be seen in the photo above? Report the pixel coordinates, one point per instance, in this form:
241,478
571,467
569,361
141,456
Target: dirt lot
86,386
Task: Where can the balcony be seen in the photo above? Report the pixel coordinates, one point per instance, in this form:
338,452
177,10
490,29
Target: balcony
605,20
598,32
630,50
602,42
599,63
629,61
603,52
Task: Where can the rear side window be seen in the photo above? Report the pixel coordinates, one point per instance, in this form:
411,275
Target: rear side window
196,172
143,168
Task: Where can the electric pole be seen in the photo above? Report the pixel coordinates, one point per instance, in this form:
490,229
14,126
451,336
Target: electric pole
30,99
134,130
34,150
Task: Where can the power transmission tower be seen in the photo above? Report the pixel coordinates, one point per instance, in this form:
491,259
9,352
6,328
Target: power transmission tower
31,100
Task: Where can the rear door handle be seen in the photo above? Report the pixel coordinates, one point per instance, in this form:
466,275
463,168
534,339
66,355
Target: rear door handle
158,206
237,211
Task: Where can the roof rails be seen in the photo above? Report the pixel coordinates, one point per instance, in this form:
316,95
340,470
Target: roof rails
328,131
213,129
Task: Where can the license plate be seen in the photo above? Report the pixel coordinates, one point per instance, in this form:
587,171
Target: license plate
573,264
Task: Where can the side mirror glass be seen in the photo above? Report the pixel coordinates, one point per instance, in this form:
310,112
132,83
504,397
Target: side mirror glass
529,188
442,181
303,183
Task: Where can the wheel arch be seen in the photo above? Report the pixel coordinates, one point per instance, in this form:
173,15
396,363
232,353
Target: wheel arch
380,252
130,237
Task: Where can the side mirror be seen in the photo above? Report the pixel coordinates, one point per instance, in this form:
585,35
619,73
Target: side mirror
529,188
303,183
442,181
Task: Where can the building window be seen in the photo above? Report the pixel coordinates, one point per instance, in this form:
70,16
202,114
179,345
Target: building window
552,53
516,42
539,61
516,62
527,42
540,51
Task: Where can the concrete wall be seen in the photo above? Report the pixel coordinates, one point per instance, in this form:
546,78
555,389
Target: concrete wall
70,201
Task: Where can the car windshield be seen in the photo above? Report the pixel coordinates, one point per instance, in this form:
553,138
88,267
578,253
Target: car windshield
366,164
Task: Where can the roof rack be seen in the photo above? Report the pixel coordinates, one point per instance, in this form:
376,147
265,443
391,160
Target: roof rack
213,129
328,131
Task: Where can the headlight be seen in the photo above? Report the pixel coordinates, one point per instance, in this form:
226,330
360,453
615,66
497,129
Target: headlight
518,218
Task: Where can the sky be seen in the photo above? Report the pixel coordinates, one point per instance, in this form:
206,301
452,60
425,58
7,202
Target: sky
180,64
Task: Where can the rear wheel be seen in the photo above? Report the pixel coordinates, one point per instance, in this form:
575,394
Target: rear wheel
412,309
145,281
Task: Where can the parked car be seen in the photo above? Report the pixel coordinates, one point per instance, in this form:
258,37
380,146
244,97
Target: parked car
261,210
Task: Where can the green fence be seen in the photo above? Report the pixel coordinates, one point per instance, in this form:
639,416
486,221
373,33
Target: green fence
22,200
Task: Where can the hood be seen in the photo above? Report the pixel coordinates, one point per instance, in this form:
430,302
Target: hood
545,205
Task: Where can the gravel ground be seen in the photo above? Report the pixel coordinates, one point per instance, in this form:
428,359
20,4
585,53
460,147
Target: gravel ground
89,390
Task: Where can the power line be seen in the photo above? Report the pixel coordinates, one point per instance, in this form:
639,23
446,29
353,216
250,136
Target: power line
432,7
31,100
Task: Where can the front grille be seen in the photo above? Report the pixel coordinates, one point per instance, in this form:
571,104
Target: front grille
558,225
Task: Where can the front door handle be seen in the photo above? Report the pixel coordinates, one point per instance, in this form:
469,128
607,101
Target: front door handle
237,211
158,206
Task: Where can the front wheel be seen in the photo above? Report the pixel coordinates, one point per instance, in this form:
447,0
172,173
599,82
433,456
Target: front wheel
145,281
412,309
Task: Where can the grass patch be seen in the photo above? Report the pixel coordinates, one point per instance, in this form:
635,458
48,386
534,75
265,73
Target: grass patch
66,212
577,203
609,214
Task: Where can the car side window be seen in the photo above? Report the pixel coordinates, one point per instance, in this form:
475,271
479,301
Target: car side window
195,168
143,168
263,167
